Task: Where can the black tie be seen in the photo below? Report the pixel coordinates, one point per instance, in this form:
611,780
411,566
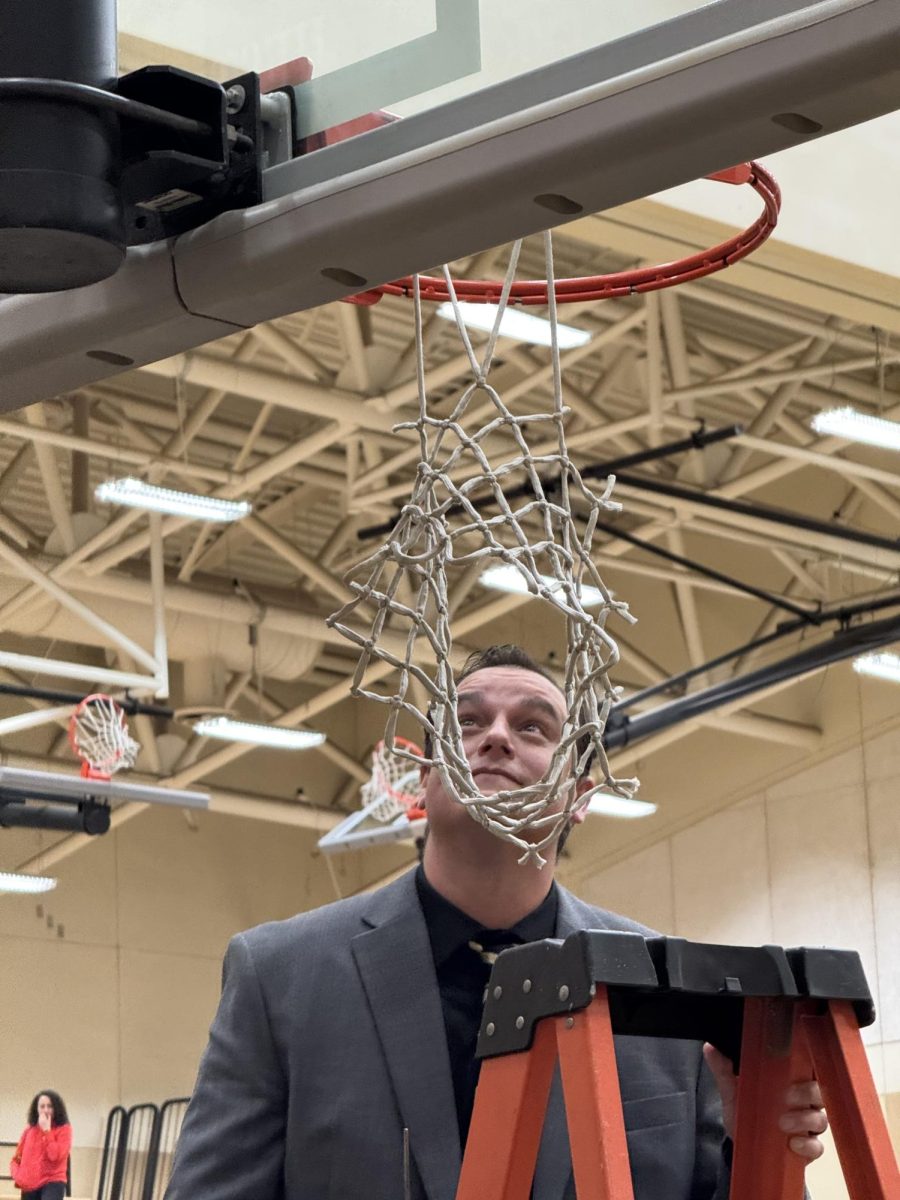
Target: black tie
488,943
485,945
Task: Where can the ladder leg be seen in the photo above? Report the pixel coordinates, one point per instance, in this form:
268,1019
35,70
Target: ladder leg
773,1056
510,1105
854,1112
594,1103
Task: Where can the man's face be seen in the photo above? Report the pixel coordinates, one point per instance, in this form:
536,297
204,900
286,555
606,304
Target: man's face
511,721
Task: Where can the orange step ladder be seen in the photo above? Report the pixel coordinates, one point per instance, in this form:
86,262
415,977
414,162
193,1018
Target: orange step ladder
781,1016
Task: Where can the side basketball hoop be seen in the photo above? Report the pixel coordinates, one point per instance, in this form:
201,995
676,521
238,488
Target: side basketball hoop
619,283
394,786
390,809
98,734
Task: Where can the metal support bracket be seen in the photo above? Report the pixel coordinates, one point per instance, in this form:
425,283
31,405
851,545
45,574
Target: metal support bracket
659,986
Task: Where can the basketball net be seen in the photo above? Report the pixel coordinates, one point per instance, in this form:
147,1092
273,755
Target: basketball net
393,788
98,734
459,513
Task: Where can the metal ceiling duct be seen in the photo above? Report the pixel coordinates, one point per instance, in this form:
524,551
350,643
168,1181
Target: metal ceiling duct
203,625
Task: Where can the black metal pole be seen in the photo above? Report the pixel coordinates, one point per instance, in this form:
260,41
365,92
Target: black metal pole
809,616
762,512
61,214
131,706
696,441
624,731
87,817
842,614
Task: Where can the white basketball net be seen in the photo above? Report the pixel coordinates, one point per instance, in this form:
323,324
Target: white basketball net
441,528
394,785
99,735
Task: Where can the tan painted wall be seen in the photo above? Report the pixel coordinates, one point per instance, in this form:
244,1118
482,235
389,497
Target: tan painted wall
812,859
111,1004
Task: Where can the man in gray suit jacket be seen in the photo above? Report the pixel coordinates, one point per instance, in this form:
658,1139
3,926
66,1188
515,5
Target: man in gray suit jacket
344,1031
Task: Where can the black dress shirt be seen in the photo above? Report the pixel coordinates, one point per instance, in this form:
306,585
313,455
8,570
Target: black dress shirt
462,976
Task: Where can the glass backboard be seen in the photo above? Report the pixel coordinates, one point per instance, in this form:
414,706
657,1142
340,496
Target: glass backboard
357,66
405,55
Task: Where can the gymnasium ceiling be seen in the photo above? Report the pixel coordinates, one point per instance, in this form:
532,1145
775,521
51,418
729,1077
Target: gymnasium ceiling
299,411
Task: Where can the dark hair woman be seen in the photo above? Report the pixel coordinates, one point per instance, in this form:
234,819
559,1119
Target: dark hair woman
40,1164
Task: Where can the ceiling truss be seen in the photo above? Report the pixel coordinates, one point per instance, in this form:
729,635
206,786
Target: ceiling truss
298,416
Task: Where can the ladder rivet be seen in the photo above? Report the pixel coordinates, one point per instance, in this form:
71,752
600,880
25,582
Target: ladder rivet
520,1022
526,986
570,1022
564,992
498,992
490,1029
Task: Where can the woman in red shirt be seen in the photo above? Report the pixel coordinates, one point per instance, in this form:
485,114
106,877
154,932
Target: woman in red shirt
40,1164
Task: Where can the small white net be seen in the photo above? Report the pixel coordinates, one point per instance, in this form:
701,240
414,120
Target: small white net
477,458
98,733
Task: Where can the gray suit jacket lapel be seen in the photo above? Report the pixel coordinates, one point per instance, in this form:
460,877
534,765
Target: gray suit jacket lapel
554,1166
394,960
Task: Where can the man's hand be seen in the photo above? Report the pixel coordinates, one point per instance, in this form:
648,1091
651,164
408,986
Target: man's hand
44,1122
802,1117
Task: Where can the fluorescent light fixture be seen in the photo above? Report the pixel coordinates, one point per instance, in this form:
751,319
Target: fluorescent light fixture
507,578
136,493
277,736
880,666
606,805
858,427
16,881
516,324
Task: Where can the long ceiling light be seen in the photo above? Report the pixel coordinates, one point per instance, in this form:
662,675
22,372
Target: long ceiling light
277,736
847,423
136,493
515,324
606,805
507,578
16,881
881,666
